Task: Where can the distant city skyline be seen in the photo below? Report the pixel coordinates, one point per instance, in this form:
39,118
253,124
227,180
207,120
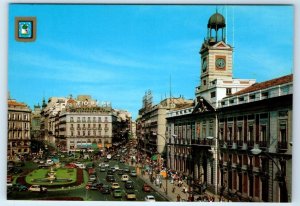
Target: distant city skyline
116,53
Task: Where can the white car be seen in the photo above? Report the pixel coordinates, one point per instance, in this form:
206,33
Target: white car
92,177
79,165
116,167
115,185
37,188
150,198
124,178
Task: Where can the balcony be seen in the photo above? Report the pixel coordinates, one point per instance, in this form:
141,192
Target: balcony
245,146
262,144
234,145
244,167
240,143
250,143
282,146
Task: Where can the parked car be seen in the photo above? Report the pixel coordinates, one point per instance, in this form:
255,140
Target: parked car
105,189
113,169
102,169
122,161
126,169
19,187
79,165
115,185
110,178
146,188
129,185
91,171
133,173
130,195
110,172
117,193
150,198
116,167
37,188
124,178
120,172
96,186
92,177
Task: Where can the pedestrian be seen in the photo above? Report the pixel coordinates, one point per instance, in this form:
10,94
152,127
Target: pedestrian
183,189
178,198
173,189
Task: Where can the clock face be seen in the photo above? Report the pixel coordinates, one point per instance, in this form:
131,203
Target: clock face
220,63
204,65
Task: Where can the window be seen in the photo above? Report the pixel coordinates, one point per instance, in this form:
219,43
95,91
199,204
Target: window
72,134
240,132
222,133
94,119
71,119
204,82
78,119
229,133
212,94
265,94
251,133
263,133
283,132
241,99
231,101
78,133
228,91
83,119
252,97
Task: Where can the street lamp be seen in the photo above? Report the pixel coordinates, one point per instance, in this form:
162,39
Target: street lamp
155,134
281,178
167,176
215,153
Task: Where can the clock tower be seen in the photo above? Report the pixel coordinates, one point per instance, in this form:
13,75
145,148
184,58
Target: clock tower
216,54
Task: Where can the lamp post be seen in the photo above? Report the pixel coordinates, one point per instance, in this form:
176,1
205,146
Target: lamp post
167,155
280,179
215,153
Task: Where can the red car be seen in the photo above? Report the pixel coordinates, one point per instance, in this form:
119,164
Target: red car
70,165
146,188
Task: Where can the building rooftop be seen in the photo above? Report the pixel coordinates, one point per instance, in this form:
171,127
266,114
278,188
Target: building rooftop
14,103
265,85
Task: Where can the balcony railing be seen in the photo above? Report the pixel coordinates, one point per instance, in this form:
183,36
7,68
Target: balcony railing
262,143
282,145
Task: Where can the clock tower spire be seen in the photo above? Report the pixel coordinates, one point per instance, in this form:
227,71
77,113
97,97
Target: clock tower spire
216,55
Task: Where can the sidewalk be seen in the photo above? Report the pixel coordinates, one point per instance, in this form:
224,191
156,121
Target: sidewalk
172,196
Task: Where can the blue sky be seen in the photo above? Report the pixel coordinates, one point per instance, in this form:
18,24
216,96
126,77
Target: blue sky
117,52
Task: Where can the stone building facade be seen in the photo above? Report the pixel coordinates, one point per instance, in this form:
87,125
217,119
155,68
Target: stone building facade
19,115
236,138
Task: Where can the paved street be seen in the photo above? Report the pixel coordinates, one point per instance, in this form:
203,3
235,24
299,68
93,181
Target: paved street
91,195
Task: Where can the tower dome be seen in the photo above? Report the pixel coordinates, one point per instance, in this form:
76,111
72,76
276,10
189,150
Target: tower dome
216,24
216,21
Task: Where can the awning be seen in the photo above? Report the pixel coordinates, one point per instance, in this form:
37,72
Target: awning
154,157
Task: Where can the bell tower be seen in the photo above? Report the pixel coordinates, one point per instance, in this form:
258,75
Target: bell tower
216,54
